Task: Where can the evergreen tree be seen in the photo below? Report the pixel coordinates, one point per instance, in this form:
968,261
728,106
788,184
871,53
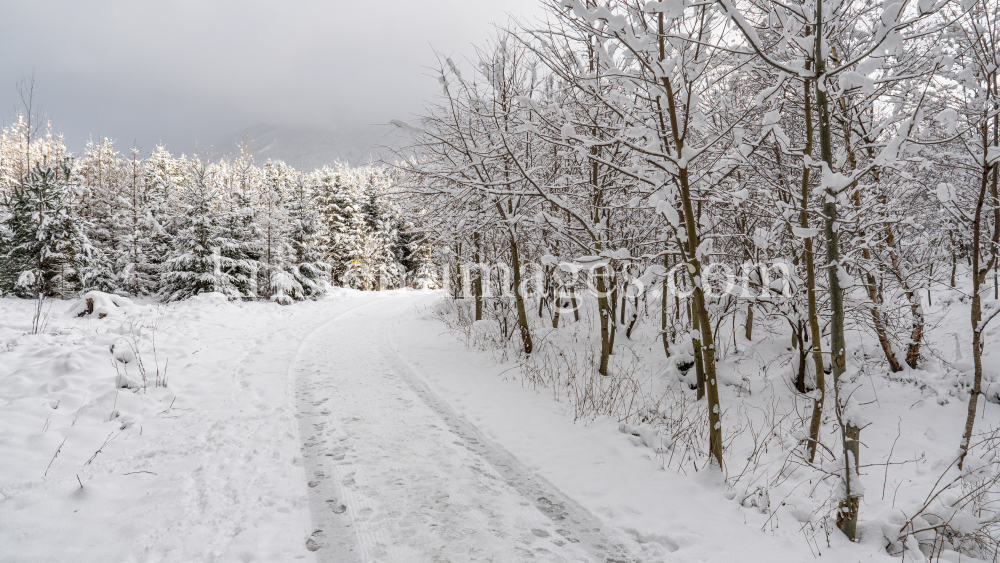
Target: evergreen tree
239,244
306,264
45,248
100,209
425,275
137,272
196,264
341,223
165,178
382,240
279,279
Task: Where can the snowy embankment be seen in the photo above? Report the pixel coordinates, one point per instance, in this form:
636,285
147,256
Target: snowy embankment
642,464
103,463
659,515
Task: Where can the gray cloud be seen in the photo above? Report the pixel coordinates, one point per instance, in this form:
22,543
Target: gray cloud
182,71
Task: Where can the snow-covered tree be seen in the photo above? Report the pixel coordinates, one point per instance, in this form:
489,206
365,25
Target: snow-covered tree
273,222
305,262
338,198
240,242
165,179
101,206
138,231
196,264
45,248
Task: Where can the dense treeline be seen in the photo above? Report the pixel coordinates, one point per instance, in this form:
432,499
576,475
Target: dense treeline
172,227
853,145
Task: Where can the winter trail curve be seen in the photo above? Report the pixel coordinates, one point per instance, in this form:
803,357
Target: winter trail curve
396,476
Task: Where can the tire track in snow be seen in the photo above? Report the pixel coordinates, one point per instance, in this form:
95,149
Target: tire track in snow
332,536
395,475
575,522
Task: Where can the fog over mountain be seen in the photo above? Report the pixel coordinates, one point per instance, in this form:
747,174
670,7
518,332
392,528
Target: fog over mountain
308,149
184,72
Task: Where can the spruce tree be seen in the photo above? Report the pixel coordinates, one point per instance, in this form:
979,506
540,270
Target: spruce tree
341,223
307,266
382,242
277,280
45,248
137,272
165,178
196,264
239,244
100,209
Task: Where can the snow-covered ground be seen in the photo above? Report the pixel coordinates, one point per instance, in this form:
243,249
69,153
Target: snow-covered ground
207,468
357,429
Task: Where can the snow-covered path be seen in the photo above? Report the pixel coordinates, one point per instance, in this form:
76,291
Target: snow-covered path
396,475
352,429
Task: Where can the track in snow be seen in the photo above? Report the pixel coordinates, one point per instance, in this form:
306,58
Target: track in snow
396,476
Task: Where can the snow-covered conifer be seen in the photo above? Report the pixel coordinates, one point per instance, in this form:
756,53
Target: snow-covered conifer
305,260
196,264
45,248
341,224
240,242
165,179
137,231
100,206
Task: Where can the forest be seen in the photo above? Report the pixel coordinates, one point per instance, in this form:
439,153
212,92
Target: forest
761,238
822,171
165,227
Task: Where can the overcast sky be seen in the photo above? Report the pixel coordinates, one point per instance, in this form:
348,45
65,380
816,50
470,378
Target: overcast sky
181,71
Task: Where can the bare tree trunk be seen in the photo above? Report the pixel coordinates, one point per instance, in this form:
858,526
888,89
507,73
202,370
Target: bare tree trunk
978,279
699,362
613,303
707,353
711,383
749,322
522,316
847,518
574,304
954,258
815,342
541,305
459,278
800,380
663,307
558,308
624,302
477,283
635,317
607,317
916,330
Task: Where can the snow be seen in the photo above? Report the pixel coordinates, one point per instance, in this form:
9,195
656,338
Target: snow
945,192
206,468
412,484
101,304
992,156
669,8
567,131
669,212
850,80
949,118
803,232
357,429
663,515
